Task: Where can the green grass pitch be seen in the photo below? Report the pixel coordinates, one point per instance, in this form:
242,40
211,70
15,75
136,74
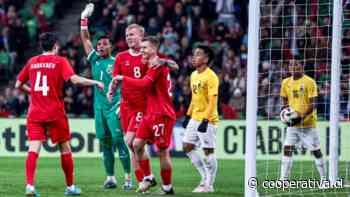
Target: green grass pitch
90,176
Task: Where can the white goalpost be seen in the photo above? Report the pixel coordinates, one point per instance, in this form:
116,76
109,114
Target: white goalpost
252,101
279,31
335,90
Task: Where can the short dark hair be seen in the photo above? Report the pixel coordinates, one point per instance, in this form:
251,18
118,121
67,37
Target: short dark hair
153,40
103,37
208,52
48,40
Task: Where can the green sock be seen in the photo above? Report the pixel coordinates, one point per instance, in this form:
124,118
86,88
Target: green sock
108,157
124,155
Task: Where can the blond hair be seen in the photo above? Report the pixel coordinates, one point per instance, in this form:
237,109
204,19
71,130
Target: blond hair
136,26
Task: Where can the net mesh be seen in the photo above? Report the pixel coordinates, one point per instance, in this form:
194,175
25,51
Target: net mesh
301,30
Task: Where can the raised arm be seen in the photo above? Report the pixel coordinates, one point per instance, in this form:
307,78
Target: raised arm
84,31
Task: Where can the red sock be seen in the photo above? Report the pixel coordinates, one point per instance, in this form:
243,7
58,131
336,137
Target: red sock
32,157
166,176
139,175
68,167
146,167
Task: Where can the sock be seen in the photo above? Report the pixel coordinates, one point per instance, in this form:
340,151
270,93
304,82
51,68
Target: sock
197,163
167,187
166,176
286,165
111,178
72,187
321,167
145,166
108,161
68,167
211,166
139,175
31,187
124,156
31,161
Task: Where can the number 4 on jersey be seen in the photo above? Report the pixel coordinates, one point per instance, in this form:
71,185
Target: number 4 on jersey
43,88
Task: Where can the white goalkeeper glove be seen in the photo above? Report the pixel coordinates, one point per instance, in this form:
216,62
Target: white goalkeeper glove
87,12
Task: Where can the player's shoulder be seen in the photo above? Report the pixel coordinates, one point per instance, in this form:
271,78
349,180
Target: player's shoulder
309,79
194,74
124,54
33,59
286,80
61,58
50,58
211,73
110,59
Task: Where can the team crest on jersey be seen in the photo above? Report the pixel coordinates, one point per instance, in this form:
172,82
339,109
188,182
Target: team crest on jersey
127,63
109,68
302,88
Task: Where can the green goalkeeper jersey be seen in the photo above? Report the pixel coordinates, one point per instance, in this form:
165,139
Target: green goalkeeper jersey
101,69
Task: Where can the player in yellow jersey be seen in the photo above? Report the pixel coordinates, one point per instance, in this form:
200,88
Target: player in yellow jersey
202,118
299,92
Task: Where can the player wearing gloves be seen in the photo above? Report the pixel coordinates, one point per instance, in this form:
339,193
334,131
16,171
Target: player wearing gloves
289,116
107,124
202,118
299,93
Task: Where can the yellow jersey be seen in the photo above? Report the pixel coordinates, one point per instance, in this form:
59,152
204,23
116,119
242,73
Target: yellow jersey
203,85
298,93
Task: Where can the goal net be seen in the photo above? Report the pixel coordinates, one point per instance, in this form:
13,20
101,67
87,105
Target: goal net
301,30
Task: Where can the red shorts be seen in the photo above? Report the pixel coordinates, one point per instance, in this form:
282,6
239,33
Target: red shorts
130,119
57,130
157,130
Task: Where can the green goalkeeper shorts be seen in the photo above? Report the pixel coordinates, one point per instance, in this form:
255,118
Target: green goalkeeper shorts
107,124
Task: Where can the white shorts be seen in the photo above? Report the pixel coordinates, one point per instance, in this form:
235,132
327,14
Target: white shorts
308,137
203,140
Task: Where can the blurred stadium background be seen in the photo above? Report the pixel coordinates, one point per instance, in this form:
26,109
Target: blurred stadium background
181,25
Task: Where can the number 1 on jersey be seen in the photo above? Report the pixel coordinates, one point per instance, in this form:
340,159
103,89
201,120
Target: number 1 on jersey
170,86
43,88
101,76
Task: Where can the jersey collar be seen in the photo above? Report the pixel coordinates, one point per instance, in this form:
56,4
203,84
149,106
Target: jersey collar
48,53
134,54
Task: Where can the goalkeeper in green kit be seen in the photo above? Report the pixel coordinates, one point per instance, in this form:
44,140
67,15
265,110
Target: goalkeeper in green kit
107,125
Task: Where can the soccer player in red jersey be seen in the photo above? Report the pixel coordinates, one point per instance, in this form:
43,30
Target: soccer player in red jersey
128,63
157,124
46,115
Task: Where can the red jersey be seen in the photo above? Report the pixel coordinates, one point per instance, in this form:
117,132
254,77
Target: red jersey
157,82
46,74
128,64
